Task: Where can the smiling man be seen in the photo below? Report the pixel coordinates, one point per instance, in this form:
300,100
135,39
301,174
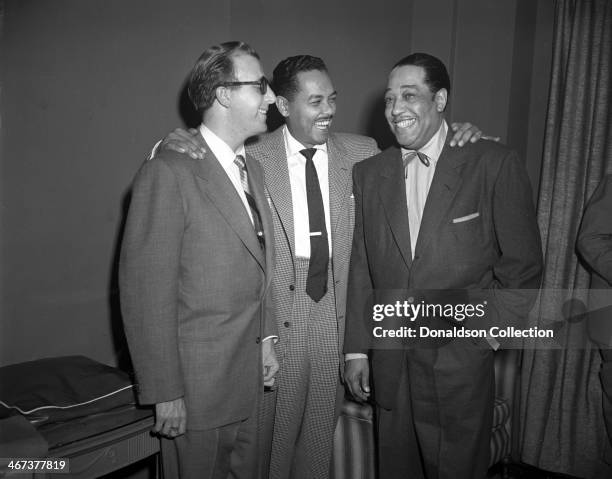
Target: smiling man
433,218
195,271
308,180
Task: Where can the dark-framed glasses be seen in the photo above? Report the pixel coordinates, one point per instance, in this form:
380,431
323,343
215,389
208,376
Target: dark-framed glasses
262,83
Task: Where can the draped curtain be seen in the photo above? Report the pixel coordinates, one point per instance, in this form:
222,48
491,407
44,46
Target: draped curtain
561,426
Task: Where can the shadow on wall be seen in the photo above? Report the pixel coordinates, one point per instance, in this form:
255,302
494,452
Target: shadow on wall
120,346
376,125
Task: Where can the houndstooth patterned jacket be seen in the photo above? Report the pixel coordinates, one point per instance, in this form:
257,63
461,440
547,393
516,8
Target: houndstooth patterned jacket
344,150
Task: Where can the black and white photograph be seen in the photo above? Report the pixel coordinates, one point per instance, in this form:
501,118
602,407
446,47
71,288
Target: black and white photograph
342,239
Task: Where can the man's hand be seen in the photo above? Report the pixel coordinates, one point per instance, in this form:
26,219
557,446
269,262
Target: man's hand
269,362
357,378
188,142
465,132
170,418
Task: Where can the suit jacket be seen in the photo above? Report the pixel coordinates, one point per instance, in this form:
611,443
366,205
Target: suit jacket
344,150
493,243
194,283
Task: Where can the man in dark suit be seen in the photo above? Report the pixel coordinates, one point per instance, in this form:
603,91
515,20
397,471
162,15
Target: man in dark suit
595,246
195,272
437,219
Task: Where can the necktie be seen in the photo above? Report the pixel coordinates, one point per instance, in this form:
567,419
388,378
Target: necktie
407,158
244,180
413,195
316,282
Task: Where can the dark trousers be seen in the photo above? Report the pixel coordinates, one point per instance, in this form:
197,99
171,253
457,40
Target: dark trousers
440,425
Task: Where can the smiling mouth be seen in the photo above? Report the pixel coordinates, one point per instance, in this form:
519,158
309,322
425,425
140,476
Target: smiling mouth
405,122
263,112
323,124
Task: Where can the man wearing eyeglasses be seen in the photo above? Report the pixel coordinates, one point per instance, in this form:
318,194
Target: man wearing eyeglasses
195,272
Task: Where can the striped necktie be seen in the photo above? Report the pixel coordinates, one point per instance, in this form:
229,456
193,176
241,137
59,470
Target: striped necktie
244,180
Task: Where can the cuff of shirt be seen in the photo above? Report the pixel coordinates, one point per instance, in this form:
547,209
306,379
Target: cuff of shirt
349,356
274,338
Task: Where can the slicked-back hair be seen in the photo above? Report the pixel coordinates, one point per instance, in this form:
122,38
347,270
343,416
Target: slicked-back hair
284,81
214,67
436,75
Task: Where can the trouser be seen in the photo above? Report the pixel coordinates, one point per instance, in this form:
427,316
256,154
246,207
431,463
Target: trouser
440,425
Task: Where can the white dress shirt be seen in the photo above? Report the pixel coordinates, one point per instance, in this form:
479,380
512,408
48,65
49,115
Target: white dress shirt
297,176
226,156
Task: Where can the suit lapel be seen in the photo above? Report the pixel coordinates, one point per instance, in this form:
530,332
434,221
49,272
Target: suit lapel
340,185
392,192
444,186
274,162
257,182
224,196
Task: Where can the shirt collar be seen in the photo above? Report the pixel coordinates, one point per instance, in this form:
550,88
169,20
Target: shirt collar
293,147
219,148
433,148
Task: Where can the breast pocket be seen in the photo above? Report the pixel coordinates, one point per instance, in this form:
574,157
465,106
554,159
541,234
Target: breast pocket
467,228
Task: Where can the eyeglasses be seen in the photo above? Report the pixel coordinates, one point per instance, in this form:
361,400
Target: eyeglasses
262,83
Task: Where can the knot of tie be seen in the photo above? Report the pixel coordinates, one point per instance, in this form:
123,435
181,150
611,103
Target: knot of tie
239,160
244,179
408,156
308,153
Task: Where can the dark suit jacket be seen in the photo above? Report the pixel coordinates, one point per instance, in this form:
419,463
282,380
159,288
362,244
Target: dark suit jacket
498,246
194,283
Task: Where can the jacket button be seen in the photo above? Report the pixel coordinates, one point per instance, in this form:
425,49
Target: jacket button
257,341
287,324
291,287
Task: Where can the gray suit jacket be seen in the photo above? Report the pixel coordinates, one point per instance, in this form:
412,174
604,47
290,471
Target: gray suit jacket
344,150
194,283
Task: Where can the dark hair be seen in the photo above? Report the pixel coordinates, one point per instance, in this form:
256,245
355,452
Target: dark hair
214,66
436,75
284,81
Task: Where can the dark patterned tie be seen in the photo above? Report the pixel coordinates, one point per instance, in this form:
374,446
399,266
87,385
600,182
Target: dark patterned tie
244,179
316,282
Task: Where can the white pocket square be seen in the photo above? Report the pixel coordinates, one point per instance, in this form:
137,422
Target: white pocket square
466,218
352,196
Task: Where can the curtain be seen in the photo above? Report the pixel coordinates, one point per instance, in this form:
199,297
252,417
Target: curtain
560,418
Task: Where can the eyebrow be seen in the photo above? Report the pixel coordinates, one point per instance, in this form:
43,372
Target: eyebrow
402,87
316,97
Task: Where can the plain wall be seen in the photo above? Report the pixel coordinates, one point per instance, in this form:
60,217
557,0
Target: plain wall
89,85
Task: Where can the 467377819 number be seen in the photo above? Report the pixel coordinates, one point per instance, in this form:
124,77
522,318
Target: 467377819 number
34,464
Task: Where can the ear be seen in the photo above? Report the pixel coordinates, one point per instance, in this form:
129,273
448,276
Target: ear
282,104
440,99
222,95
